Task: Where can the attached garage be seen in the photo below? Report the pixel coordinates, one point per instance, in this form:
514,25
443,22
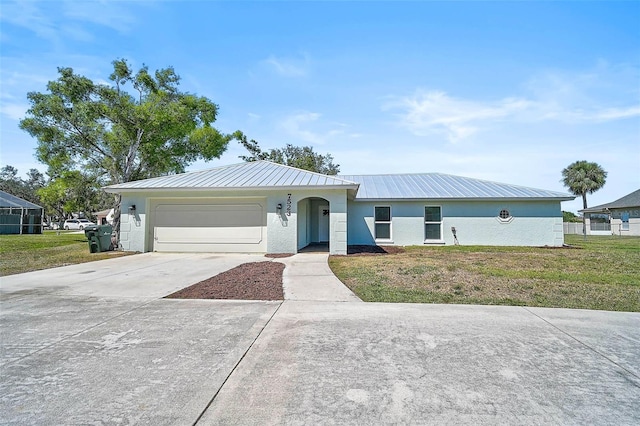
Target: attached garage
209,225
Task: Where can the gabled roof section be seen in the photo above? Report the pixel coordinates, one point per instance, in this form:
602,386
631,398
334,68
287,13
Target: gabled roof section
628,201
442,186
8,200
248,175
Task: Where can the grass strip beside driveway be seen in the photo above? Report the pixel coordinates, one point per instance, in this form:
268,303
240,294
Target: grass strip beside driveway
24,253
599,273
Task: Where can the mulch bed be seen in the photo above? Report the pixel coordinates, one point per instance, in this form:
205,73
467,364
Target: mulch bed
278,255
363,250
249,281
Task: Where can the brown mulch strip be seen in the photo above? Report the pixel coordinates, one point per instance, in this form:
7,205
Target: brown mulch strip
249,281
278,255
363,250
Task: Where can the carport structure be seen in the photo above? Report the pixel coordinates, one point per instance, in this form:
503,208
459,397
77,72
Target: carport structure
19,216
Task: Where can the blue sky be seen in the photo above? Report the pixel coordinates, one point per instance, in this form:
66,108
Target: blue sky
506,91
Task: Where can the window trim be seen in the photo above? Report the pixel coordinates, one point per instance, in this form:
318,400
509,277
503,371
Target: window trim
425,223
390,222
624,224
505,220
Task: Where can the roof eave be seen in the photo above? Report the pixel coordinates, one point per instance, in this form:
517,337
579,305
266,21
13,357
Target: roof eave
112,190
469,199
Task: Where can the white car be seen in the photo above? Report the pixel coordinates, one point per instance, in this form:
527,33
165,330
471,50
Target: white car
77,224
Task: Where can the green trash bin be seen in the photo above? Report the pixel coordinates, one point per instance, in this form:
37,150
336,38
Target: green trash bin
104,237
99,238
91,232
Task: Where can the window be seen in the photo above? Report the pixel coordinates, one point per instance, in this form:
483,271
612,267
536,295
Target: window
624,217
432,223
382,222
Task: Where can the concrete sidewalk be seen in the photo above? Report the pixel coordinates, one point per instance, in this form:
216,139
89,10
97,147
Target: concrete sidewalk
307,276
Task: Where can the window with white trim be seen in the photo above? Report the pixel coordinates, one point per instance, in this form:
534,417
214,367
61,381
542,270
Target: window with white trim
432,223
382,222
624,218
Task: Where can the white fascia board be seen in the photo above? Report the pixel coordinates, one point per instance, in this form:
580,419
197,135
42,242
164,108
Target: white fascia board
236,189
390,200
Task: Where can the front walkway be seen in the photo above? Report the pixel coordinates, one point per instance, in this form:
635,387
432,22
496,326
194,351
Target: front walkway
307,276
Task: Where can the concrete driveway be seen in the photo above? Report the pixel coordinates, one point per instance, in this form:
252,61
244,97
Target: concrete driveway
81,347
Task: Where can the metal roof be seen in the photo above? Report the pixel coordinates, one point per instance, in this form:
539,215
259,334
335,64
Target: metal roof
628,201
256,174
8,200
442,186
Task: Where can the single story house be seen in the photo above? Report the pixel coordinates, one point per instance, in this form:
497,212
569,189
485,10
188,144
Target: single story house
19,216
620,217
104,217
263,207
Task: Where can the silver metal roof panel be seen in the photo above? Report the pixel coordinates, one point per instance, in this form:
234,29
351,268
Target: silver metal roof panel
257,174
438,185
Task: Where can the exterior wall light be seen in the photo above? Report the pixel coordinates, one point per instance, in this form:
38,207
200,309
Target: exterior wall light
132,208
279,208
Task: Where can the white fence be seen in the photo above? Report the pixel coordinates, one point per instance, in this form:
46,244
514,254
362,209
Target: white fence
572,228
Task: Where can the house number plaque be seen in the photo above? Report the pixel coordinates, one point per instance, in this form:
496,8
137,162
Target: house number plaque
288,204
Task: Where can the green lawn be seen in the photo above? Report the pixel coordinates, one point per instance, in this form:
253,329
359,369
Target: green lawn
24,253
599,273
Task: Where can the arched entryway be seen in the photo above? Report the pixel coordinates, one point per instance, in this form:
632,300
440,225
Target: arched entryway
314,224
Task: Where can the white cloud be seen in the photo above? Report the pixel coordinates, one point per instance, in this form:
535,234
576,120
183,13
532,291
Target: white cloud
426,112
14,111
293,125
602,95
308,127
55,22
109,14
288,67
28,15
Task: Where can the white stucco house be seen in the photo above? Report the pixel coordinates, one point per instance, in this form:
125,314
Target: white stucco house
619,217
262,207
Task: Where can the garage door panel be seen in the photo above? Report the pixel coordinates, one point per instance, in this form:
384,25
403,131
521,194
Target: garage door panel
201,235
216,227
210,215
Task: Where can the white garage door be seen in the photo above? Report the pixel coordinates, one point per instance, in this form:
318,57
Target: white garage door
224,227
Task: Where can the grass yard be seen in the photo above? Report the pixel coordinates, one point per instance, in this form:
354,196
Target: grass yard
600,273
24,253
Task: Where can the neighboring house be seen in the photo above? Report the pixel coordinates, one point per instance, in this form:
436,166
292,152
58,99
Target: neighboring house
265,207
104,217
18,216
620,217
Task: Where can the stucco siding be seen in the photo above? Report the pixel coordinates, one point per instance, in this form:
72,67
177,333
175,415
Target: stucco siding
531,223
133,224
137,230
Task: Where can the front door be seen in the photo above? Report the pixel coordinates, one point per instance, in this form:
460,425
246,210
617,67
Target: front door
323,224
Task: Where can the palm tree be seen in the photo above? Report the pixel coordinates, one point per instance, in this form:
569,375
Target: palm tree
584,178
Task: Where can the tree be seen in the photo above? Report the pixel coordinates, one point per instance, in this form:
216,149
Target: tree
25,189
582,178
295,156
570,217
73,191
138,126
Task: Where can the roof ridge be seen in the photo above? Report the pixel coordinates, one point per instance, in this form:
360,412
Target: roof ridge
303,170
